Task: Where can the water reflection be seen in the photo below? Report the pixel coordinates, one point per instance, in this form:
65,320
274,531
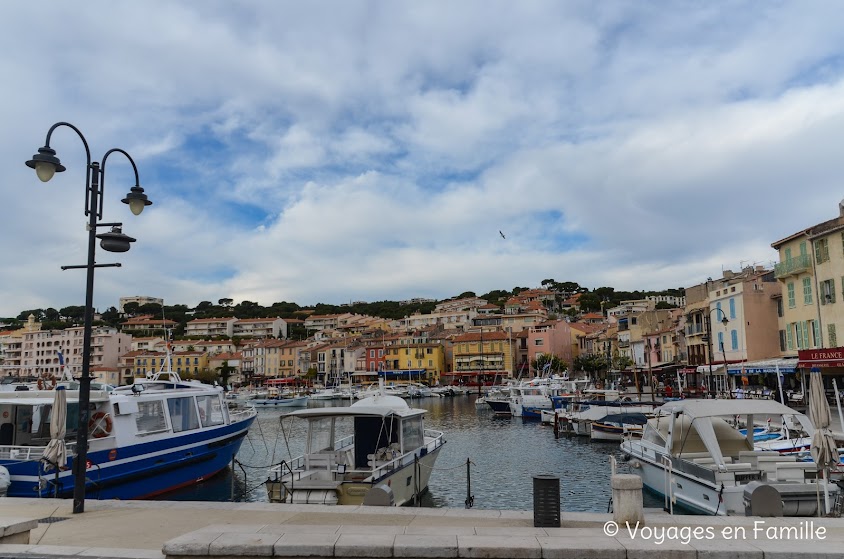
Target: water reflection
504,455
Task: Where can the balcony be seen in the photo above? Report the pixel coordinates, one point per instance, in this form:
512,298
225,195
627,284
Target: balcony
796,265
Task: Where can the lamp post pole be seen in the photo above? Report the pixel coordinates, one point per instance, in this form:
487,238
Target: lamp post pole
708,322
46,164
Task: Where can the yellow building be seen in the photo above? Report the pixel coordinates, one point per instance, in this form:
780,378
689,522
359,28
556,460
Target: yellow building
420,362
189,363
800,316
483,355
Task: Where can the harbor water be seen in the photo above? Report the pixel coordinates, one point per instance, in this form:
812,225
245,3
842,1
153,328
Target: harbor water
504,453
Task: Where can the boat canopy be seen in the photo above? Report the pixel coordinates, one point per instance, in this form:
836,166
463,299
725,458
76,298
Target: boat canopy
700,425
714,408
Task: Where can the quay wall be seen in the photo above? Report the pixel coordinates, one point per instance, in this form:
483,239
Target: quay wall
170,529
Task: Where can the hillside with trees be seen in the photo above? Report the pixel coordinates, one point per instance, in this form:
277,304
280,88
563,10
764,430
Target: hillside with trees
594,300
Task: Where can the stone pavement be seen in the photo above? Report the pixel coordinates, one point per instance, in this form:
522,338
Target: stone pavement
144,529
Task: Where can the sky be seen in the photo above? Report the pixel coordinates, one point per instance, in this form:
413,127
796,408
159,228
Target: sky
328,152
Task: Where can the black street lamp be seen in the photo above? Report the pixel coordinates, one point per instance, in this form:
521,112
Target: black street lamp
46,164
708,321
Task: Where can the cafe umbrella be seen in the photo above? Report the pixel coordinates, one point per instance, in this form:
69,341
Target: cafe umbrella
823,449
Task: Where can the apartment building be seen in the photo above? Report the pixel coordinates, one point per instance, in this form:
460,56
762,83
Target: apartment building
140,300
40,350
211,327
483,356
260,328
147,324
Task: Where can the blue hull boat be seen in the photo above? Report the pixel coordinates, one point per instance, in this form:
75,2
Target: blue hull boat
145,439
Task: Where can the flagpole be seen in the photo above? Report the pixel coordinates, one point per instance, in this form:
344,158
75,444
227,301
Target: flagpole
779,384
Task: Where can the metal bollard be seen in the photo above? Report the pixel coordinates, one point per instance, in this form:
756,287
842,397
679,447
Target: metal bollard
546,501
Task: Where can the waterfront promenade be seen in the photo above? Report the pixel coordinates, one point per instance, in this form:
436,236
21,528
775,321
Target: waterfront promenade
144,529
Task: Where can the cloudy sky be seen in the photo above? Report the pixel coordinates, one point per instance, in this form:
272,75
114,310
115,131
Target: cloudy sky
337,151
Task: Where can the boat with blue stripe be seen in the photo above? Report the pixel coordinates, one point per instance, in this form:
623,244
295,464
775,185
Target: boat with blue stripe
153,436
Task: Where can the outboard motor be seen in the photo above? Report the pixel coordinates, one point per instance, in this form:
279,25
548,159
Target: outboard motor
761,499
379,496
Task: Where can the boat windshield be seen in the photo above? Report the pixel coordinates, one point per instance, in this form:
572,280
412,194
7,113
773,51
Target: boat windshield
412,433
324,432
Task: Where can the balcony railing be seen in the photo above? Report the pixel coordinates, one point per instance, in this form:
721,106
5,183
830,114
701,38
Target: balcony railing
796,265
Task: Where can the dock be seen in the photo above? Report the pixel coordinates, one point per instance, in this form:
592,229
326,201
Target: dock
179,529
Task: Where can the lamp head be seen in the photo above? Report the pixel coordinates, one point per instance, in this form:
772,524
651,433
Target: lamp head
137,200
45,163
115,240
724,321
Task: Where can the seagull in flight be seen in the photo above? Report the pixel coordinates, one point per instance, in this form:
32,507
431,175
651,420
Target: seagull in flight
502,234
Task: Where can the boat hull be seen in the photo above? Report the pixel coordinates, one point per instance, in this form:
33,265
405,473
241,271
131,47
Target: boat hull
135,471
406,482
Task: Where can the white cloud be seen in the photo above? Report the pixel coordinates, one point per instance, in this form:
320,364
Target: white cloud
373,151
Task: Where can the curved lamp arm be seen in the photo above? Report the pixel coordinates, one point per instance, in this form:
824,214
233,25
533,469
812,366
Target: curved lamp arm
130,199
48,155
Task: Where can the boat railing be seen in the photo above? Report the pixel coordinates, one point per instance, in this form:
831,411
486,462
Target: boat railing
29,453
380,469
437,441
241,414
689,467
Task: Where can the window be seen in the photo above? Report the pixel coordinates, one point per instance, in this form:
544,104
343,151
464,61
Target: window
732,308
150,418
721,341
182,414
807,291
734,339
210,410
827,292
799,335
412,433
816,333
538,342
830,330
791,297
789,335
783,342
821,251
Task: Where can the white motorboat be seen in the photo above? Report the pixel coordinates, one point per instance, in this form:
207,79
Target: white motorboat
580,415
693,456
377,390
617,425
376,451
280,402
418,390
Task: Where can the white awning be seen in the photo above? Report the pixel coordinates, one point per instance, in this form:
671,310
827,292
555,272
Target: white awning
763,367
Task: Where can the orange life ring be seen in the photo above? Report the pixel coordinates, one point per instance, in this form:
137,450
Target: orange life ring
100,425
